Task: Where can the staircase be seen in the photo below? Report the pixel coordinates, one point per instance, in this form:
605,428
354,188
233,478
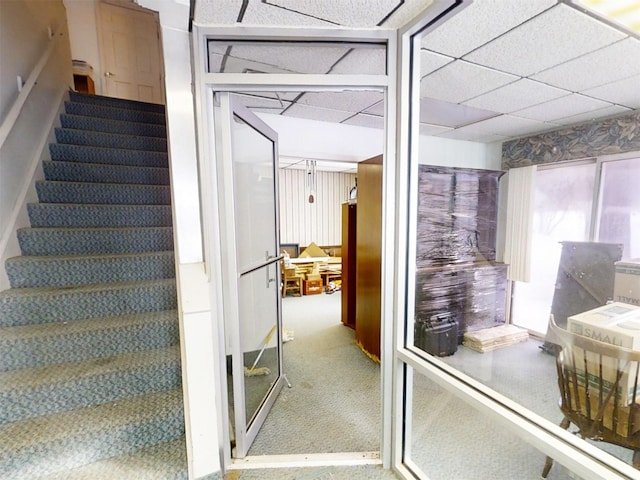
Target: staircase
90,381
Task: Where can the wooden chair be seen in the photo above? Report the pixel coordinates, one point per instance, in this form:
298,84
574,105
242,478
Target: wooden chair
291,282
598,407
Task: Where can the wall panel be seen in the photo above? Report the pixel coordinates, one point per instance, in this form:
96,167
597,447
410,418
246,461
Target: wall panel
320,222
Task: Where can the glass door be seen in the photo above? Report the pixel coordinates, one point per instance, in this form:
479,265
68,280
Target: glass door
248,192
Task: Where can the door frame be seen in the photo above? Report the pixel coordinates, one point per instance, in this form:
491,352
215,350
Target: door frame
127,5
213,215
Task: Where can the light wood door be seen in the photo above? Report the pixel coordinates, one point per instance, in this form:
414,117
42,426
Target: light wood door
131,58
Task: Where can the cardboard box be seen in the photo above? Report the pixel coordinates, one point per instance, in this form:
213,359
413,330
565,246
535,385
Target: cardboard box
617,324
626,287
312,287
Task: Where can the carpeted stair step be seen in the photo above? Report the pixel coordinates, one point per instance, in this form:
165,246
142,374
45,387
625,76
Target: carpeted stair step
164,461
116,102
33,392
32,346
94,241
110,140
103,173
103,193
70,270
26,306
81,122
113,113
113,156
72,439
75,215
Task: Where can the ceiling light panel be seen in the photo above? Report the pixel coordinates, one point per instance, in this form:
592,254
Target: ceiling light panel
445,114
624,92
349,101
316,113
487,19
362,61
556,36
607,65
356,13
460,81
430,62
430,130
364,120
562,107
517,96
593,115
624,12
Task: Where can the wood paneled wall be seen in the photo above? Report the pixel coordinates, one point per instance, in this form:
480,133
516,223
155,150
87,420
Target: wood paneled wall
320,222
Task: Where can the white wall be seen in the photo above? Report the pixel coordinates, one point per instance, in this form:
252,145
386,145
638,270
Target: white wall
447,152
24,39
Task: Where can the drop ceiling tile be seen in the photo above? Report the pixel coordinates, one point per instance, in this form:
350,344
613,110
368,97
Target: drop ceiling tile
428,129
401,16
215,62
517,96
364,120
460,81
217,11
377,109
268,105
348,101
240,65
593,115
624,92
566,106
301,59
359,13
610,64
316,113
509,126
430,62
556,36
362,61
262,13
468,136
437,112
487,19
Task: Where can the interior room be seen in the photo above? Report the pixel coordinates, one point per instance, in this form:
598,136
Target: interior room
357,239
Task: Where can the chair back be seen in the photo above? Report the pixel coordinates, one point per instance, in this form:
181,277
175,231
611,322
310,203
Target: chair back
598,385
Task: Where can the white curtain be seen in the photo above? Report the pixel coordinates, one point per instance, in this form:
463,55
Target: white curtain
519,224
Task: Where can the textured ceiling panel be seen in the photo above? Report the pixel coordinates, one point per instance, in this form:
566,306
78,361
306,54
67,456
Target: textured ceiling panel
349,101
355,13
260,13
217,11
625,92
607,65
316,113
594,115
437,112
487,19
364,120
562,107
240,65
516,96
460,81
362,61
265,104
430,62
555,36
301,59
377,109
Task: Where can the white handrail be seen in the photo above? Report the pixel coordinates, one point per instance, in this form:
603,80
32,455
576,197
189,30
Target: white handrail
16,108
